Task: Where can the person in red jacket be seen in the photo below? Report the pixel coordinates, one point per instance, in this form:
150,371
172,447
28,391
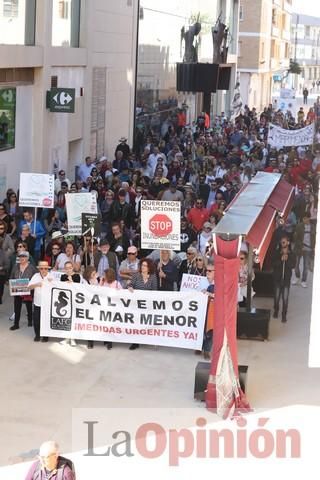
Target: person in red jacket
198,215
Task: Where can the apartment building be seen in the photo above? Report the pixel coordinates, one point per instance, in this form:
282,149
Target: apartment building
305,49
263,48
85,45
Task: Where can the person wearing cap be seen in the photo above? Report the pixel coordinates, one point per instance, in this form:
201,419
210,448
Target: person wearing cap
19,247
22,270
123,147
105,259
121,210
172,194
38,280
61,178
129,266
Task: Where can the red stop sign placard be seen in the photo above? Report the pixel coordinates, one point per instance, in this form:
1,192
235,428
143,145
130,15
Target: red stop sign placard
160,225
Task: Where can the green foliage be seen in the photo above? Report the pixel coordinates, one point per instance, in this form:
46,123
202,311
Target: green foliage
205,19
294,67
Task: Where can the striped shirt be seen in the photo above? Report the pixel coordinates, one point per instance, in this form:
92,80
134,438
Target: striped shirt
138,283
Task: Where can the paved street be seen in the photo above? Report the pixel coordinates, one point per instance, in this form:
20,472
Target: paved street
41,383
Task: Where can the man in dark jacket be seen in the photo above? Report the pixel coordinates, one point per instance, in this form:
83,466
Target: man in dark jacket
304,243
283,262
121,210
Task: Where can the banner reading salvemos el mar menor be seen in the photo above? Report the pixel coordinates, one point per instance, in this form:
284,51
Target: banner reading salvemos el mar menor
86,312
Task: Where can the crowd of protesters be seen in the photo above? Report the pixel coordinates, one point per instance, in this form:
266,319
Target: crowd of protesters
202,168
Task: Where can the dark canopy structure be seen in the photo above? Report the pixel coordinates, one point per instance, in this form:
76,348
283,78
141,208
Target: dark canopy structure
250,216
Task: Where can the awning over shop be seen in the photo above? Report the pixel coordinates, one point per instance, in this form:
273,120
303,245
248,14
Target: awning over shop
253,212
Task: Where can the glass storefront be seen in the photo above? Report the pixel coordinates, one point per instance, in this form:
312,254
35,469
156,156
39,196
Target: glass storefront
7,118
17,22
65,23
159,49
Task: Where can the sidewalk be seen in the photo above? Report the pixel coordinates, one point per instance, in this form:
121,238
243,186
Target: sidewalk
42,383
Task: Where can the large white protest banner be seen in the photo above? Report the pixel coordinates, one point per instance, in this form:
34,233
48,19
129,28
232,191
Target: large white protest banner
76,204
36,190
79,311
160,224
279,137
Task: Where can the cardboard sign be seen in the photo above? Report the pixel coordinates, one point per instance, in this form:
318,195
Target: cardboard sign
193,282
160,225
36,190
19,287
77,204
89,221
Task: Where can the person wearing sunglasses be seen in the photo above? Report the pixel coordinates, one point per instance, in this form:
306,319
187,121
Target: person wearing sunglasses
198,215
61,178
20,247
39,279
26,237
199,267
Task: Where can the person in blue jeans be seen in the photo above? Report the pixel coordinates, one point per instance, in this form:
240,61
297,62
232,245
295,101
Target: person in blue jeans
37,231
283,262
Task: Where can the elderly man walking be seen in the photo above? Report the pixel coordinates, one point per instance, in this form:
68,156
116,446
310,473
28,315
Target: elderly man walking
51,465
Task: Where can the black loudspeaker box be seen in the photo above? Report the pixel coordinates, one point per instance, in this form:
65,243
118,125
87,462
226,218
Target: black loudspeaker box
224,78
197,77
254,324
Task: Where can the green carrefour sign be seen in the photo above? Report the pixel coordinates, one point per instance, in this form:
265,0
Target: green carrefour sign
7,118
61,100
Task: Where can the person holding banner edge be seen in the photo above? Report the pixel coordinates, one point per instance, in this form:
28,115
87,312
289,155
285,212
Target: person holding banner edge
36,283
145,279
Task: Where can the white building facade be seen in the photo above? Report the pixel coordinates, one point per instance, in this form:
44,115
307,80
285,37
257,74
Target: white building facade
87,45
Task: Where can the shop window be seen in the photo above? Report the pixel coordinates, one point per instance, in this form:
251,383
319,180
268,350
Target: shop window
66,23
10,8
